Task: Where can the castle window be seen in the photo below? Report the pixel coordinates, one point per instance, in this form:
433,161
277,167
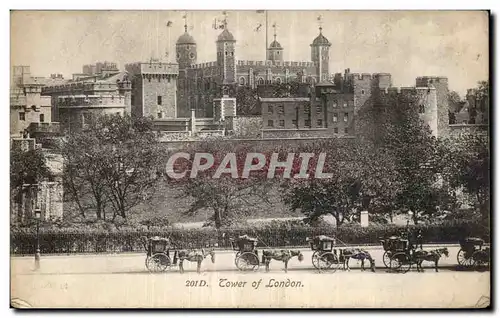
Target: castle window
227,53
335,117
159,79
261,81
421,109
232,53
270,109
242,81
282,123
22,116
346,130
281,109
42,118
319,122
307,123
160,114
307,109
159,100
346,117
336,130
319,109
278,52
270,123
362,91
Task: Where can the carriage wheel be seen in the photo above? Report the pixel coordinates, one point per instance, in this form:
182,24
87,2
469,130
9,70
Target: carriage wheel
464,259
386,258
480,260
326,260
247,261
158,263
315,259
400,262
236,258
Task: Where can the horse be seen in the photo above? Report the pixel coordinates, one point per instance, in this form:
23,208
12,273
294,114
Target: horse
280,255
430,256
358,254
193,256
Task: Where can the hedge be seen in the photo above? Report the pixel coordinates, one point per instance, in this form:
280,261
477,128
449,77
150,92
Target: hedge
69,241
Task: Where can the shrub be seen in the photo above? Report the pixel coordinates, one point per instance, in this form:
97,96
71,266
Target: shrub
127,239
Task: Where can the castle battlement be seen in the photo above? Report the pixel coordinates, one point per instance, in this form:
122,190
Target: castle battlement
427,80
406,90
204,65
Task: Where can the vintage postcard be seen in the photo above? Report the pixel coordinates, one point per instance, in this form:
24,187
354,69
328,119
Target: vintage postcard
250,159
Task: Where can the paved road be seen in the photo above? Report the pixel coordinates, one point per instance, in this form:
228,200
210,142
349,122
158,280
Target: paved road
224,262
99,281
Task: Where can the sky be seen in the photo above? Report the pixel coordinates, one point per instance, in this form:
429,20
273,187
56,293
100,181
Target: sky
406,44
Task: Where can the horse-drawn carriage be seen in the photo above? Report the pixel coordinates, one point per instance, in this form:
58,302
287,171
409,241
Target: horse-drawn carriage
472,253
158,254
247,257
325,255
393,245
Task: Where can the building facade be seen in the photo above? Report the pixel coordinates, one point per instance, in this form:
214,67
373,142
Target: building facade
200,83
75,102
154,89
27,105
332,107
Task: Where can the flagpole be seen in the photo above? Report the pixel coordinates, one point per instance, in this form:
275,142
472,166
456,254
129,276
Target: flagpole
267,45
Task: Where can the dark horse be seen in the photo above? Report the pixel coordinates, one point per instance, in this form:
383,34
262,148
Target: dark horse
357,254
193,256
429,256
280,255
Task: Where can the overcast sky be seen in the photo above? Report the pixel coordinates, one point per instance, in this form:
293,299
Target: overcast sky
404,43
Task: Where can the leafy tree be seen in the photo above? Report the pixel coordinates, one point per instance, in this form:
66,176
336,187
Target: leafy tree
26,167
454,102
113,161
360,179
394,125
227,197
247,100
468,168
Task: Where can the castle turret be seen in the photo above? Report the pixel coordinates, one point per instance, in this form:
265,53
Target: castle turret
320,54
226,56
186,50
275,50
186,56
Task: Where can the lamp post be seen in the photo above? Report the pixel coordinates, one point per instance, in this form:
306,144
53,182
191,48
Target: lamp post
38,215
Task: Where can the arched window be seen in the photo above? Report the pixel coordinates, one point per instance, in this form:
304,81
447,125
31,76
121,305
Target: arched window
277,80
42,118
242,81
261,81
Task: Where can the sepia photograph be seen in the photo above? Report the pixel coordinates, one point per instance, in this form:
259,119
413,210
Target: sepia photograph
250,159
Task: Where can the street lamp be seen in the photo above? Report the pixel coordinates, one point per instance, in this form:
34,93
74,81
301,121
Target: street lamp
38,215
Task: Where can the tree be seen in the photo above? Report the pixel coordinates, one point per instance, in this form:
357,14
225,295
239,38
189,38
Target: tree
247,100
26,167
227,197
468,168
361,178
394,125
113,161
454,102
